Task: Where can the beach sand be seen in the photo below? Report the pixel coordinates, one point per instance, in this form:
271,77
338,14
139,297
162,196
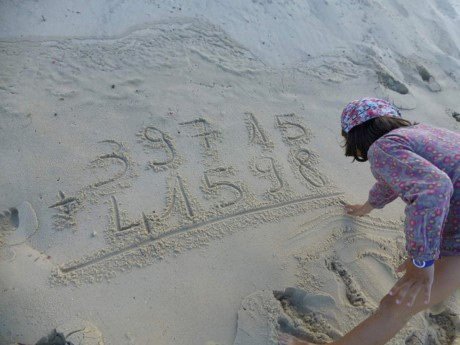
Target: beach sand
172,173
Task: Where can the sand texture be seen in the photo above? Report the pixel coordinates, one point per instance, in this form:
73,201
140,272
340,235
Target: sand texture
172,173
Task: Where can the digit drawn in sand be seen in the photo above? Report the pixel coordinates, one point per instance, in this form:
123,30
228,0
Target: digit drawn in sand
292,130
352,291
213,186
257,134
117,155
180,199
303,159
116,212
67,207
156,139
270,170
267,168
206,134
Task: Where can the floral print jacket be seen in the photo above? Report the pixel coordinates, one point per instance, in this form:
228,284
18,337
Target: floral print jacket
420,164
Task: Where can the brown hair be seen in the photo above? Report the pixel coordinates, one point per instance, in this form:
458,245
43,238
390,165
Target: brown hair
361,137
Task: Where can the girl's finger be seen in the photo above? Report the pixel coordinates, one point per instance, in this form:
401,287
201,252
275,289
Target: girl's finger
427,290
403,292
351,207
414,293
394,290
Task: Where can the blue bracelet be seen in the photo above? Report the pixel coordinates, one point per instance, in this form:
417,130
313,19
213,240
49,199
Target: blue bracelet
422,264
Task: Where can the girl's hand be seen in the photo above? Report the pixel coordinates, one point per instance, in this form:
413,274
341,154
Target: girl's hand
415,280
359,210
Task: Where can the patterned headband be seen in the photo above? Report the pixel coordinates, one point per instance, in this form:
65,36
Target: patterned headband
360,111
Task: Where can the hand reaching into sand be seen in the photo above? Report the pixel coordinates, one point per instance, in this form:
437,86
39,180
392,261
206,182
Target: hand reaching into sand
415,281
287,339
358,210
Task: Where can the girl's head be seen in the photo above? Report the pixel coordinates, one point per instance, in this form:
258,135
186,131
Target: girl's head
366,120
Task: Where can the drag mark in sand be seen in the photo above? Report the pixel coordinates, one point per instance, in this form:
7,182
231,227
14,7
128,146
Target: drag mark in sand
186,228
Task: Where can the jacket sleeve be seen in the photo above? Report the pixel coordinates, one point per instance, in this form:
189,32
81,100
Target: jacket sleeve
381,194
425,189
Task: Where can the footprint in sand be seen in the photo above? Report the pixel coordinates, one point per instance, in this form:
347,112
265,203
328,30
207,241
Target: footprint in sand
415,339
81,332
17,224
310,317
9,222
391,83
74,332
456,116
352,291
426,76
442,329
445,326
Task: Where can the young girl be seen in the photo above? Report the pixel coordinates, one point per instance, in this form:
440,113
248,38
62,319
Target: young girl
421,165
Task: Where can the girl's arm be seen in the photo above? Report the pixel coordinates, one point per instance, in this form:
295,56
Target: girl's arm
381,194
425,189
359,210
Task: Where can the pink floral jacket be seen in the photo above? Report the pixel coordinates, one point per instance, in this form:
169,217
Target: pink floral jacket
421,164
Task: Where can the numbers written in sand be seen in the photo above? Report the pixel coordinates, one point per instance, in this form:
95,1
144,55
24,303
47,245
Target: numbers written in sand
219,180
230,201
